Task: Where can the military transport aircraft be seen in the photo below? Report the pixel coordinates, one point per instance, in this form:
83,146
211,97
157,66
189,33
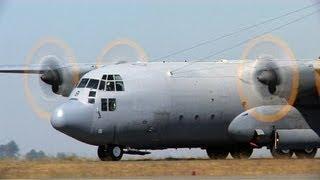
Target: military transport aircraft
219,106
223,107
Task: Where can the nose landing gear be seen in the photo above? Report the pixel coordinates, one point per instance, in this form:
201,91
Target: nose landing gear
110,153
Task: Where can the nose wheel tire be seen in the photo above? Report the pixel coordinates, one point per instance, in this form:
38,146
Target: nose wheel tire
306,153
241,152
110,153
217,153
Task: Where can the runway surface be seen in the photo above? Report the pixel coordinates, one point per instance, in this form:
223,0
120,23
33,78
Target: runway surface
230,169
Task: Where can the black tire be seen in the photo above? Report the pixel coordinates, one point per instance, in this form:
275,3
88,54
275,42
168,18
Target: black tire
306,153
217,153
115,152
241,152
110,153
281,154
103,154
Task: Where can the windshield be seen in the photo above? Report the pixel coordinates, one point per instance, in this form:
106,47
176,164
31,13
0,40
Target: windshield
93,84
83,83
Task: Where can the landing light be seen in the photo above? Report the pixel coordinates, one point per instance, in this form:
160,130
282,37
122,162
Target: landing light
59,113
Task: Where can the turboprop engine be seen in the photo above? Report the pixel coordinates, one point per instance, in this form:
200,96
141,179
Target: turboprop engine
272,93
61,77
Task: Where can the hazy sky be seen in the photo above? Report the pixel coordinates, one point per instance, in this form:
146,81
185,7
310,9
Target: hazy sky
160,27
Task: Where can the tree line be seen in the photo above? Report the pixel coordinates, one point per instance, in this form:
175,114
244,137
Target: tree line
12,151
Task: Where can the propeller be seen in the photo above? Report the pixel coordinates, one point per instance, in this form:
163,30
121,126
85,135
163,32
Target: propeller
268,75
50,89
316,65
269,78
52,79
122,51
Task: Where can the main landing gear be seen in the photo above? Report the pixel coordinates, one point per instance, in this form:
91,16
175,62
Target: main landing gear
281,153
301,154
237,152
110,153
306,153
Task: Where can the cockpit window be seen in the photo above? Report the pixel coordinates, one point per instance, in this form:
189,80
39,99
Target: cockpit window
110,86
92,94
112,104
93,84
117,77
102,85
83,83
110,77
111,83
119,86
104,104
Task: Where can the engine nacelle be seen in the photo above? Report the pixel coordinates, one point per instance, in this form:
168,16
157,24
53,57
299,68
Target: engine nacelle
246,128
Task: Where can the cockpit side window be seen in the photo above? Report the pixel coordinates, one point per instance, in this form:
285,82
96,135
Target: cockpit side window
93,84
83,83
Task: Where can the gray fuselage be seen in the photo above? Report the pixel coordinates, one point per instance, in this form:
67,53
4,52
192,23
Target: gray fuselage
159,107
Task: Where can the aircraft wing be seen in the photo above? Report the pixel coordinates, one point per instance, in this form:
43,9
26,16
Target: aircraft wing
41,69
62,78
24,69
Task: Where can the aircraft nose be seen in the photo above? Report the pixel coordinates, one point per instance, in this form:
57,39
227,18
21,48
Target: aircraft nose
72,118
